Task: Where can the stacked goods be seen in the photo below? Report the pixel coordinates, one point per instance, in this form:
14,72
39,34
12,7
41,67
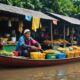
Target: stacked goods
47,42
49,54
5,53
4,39
62,41
68,51
60,53
72,51
10,42
58,41
54,54
37,55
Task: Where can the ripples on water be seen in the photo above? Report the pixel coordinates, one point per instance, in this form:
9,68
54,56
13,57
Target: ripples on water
59,72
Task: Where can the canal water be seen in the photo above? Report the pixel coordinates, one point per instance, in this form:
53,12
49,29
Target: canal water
59,72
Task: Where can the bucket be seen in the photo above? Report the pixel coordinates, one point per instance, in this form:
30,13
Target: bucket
37,55
50,56
13,39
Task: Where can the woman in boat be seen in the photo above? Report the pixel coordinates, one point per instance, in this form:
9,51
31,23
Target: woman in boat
26,44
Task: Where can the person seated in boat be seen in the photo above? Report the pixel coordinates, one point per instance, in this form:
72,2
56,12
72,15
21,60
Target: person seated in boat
26,44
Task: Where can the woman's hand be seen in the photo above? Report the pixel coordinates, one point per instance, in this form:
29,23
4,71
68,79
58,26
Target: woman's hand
34,48
39,48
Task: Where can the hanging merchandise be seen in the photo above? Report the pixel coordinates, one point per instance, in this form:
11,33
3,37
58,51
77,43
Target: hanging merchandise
35,23
20,27
40,25
9,23
15,19
67,31
55,22
13,36
28,18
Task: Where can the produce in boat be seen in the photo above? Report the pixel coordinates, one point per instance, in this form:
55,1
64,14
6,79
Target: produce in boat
5,53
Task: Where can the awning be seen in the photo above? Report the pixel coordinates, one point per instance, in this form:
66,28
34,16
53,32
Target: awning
66,18
22,11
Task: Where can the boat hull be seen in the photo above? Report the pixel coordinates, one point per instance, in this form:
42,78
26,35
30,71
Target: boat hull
20,62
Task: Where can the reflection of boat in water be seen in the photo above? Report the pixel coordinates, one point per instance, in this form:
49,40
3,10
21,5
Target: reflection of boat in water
24,62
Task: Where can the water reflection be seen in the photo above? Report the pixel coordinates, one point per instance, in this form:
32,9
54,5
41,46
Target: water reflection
60,72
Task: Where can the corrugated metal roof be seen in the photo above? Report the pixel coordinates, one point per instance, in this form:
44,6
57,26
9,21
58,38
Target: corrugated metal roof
22,11
67,18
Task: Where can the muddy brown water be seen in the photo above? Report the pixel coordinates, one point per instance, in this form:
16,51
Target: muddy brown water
59,72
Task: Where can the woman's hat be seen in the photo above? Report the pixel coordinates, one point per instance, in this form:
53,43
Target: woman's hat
26,31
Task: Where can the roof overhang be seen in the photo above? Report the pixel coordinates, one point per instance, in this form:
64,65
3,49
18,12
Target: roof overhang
22,11
66,18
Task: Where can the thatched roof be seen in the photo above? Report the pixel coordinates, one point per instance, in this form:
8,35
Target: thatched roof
22,11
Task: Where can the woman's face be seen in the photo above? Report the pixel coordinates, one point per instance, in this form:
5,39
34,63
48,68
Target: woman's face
27,35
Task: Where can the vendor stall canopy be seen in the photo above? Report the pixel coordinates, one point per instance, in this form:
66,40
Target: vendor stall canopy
26,12
66,18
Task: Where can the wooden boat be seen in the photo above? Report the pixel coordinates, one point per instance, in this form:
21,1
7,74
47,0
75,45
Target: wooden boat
24,62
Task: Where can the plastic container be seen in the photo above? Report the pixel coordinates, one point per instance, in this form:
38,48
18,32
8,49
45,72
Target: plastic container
77,53
13,39
50,56
9,47
70,54
41,56
60,55
37,55
15,53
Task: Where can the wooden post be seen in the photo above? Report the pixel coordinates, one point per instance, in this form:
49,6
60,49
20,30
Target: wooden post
64,35
72,34
52,34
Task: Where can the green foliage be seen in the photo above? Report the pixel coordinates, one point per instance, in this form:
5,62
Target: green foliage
15,3
77,5
66,7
